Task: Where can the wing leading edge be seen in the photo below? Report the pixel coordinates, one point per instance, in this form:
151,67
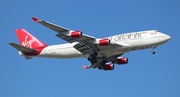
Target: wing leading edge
62,32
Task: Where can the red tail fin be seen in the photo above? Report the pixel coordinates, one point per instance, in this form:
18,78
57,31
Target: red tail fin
28,40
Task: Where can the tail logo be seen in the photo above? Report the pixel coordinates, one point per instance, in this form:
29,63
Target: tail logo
28,43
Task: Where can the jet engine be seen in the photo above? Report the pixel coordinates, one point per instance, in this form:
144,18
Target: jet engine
108,66
103,42
74,34
122,60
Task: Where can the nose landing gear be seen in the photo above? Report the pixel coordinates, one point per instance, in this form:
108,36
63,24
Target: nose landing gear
153,50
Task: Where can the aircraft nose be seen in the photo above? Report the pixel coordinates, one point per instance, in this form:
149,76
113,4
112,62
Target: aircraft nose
167,37
164,38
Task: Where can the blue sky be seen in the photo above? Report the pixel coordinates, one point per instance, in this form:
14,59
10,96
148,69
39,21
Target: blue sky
145,75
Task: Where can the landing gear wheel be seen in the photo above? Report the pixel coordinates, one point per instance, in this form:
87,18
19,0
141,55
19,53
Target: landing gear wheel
92,58
95,53
93,61
153,50
99,67
89,58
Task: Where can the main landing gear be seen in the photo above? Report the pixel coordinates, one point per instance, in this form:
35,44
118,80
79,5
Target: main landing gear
153,50
92,58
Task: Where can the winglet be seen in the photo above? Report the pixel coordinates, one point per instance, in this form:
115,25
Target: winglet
35,19
84,67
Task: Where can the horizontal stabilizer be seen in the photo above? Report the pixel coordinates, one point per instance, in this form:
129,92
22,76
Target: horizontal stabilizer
22,48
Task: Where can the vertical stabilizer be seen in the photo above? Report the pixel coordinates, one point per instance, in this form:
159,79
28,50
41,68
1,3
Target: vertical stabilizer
28,40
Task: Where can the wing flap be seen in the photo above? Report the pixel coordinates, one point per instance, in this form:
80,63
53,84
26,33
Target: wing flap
83,48
68,39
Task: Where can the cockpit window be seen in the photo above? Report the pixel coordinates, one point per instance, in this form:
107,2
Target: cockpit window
153,32
156,31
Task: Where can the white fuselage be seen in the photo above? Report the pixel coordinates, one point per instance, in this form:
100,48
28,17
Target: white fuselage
127,42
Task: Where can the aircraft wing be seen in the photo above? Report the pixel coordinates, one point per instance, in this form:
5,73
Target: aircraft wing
62,32
85,42
101,62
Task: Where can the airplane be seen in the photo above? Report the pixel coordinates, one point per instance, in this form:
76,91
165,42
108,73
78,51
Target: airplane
102,53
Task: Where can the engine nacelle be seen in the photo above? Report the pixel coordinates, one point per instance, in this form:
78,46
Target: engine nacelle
103,42
122,60
75,34
108,66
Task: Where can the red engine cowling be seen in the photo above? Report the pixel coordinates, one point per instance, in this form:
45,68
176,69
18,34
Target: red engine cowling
122,60
75,34
103,42
108,67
